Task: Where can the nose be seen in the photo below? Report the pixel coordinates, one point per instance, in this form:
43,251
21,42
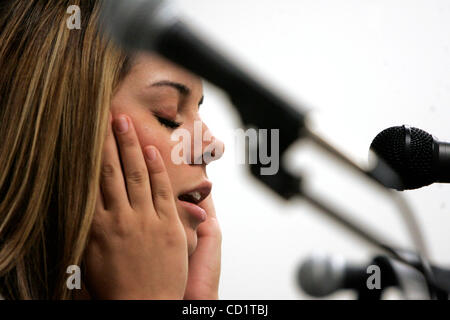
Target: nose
217,150
212,149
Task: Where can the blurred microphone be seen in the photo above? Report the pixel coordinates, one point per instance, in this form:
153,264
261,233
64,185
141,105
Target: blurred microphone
321,275
418,158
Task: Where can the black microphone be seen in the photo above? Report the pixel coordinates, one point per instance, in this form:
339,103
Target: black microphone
418,158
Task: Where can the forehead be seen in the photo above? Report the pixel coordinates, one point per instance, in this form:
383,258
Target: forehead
151,68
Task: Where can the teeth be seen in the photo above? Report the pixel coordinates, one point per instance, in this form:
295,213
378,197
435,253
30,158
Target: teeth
196,195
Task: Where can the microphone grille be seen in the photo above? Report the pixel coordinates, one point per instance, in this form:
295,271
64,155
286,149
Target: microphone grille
321,275
414,161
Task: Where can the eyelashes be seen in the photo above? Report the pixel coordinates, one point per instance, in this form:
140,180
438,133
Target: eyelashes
168,123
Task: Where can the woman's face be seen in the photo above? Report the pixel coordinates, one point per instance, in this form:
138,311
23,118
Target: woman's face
161,97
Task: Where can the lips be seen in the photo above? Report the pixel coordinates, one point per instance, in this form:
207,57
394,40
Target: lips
197,194
190,200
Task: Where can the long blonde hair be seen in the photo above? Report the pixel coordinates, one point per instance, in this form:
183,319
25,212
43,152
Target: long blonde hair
55,91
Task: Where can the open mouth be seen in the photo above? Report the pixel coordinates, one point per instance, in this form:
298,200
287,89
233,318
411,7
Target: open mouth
196,195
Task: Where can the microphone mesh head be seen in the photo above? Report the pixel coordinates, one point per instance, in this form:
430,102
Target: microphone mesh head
321,275
414,164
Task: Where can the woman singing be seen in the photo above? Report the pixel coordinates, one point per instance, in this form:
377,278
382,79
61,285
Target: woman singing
90,174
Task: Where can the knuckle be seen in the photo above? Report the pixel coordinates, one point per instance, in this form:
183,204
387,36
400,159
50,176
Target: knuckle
123,227
97,230
157,168
163,193
128,141
108,170
137,176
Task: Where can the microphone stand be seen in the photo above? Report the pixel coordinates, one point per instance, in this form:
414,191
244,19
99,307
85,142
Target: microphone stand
261,108
288,185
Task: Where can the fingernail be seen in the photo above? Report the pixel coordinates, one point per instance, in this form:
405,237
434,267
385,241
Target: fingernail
150,153
121,124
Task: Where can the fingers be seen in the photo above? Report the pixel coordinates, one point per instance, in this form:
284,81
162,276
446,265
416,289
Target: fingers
111,180
134,167
142,181
160,186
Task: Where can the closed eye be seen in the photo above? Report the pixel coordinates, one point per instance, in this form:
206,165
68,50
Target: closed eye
168,123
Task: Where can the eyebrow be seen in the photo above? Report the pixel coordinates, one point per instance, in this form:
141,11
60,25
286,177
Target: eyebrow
181,88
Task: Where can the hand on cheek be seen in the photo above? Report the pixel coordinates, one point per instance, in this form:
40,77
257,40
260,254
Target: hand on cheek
137,247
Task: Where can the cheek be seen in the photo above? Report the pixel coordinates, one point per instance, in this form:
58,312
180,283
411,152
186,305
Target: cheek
160,138
150,132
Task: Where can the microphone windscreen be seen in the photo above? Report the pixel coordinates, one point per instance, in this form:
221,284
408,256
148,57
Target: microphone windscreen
321,275
409,151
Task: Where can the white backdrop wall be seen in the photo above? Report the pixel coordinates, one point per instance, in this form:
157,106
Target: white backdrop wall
361,66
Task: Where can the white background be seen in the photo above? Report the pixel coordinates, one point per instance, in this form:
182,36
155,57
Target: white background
361,66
